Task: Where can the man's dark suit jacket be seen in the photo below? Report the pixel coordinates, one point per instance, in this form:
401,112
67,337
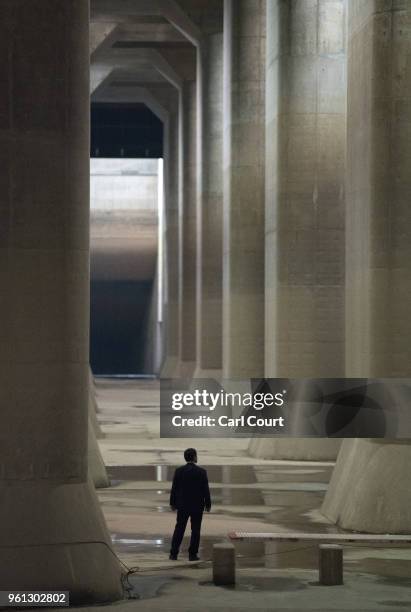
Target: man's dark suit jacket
190,491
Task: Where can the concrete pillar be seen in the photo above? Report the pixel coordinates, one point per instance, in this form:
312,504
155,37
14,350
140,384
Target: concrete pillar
52,531
209,217
223,564
378,248
369,488
187,250
97,469
172,238
330,562
304,220
243,189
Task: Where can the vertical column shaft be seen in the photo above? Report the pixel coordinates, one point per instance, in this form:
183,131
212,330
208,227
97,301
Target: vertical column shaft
243,207
304,220
378,190
172,239
209,219
48,503
187,220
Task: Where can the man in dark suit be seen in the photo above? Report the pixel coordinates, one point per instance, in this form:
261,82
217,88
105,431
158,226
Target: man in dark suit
190,495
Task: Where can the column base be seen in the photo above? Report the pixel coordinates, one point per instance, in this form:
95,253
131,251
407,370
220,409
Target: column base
170,367
186,369
96,466
369,489
211,373
92,412
295,449
53,537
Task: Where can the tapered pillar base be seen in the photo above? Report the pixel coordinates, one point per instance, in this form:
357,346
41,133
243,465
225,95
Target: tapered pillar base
92,411
96,466
186,369
170,367
369,489
53,537
211,374
295,449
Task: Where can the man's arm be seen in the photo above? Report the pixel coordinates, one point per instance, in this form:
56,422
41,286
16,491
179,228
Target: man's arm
173,494
207,497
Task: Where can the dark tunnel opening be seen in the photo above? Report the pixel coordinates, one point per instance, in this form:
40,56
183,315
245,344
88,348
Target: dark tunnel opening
119,319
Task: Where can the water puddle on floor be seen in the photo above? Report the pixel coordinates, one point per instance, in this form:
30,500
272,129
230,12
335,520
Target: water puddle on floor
265,583
238,474
282,498
147,587
248,554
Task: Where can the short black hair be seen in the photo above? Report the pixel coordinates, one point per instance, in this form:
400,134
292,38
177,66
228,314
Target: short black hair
190,454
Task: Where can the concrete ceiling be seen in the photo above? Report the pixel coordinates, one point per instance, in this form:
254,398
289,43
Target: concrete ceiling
140,51
147,41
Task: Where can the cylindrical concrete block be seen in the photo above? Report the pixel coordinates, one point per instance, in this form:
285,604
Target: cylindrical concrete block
330,561
223,564
51,525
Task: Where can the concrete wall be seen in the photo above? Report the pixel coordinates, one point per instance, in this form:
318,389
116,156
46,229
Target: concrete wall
123,219
124,249
123,184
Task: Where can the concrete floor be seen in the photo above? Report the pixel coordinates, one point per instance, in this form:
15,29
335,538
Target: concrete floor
248,494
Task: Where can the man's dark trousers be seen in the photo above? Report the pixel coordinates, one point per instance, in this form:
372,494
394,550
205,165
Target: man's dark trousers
182,518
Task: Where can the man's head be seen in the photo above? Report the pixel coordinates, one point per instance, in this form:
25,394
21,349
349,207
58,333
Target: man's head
190,455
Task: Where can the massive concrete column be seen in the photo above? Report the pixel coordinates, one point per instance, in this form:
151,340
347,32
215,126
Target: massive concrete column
305,151
378,188
187,250
369,489
243,190
52,531
172,244
209,215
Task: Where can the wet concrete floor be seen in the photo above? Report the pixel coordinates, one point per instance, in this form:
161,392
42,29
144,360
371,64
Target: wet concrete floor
248,495
270,498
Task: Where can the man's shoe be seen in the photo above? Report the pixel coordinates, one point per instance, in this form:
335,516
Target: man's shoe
193,558
173,557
